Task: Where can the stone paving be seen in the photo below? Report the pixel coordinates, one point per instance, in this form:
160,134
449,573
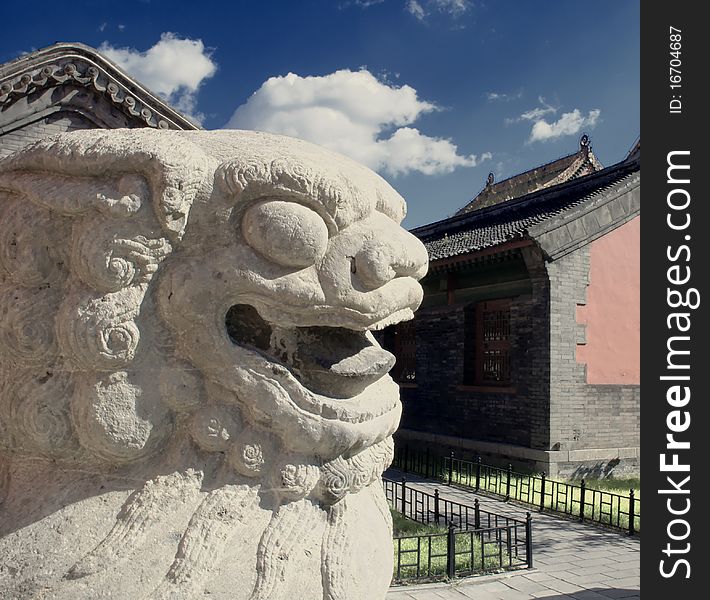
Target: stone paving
572,561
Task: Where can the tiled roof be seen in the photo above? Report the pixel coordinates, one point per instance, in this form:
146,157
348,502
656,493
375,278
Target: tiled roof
77,65
563,169
487,227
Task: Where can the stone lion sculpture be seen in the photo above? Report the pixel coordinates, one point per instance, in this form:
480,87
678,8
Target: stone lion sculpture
192,402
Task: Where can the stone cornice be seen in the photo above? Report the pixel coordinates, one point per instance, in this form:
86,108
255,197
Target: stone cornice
82,66
601,213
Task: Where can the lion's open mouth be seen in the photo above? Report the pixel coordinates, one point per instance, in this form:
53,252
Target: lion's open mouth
333,361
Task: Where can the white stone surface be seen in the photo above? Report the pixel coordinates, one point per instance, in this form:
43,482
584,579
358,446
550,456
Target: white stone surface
191,401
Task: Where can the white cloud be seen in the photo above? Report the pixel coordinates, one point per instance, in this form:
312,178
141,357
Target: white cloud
569,123
453,8
537,113
352,112
534,114
409,150
365,4
416,9
501,97
174,68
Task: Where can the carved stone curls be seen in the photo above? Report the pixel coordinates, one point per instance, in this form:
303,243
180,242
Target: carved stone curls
192,402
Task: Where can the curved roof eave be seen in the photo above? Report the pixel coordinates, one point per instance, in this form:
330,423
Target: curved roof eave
78,64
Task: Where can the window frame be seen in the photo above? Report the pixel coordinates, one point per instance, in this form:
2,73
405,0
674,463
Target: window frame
405,351
476,346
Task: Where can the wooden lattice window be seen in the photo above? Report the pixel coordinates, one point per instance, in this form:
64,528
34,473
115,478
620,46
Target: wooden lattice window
493,342
405,349
487,355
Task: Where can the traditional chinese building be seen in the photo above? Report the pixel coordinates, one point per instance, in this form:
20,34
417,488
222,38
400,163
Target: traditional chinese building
72,86
526,347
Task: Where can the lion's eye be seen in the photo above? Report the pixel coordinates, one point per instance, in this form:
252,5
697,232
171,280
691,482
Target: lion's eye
287,233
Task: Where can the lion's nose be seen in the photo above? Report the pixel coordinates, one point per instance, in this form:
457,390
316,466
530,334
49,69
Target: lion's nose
381,260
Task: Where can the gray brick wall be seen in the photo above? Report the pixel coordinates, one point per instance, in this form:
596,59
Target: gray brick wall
553,408
582,415
441,404
56,123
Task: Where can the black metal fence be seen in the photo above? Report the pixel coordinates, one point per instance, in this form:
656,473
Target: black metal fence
471,540
597,506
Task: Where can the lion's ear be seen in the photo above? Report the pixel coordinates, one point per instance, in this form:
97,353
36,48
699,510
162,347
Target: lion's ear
120,195
87,219
101,207
114,172
99,231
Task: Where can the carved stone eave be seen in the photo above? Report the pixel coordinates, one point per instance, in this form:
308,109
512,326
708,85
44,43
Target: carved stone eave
80,66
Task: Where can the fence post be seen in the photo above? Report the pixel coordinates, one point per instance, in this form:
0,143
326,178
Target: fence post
426,464
528,540
436,505
478,473
451,467
542,493
404,496
509,544
476,514
507,485
451,552
583,491
632,511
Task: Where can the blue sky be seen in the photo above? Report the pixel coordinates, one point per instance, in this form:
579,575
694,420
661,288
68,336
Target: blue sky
433,94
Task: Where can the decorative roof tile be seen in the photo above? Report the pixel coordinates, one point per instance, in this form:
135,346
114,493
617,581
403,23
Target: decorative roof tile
82,66
514,219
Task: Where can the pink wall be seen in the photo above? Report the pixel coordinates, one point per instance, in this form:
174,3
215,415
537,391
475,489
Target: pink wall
612,312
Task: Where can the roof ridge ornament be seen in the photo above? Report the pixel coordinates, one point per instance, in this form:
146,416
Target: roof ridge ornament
585,143
490,179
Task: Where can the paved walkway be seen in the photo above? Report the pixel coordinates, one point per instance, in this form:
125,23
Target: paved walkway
572,561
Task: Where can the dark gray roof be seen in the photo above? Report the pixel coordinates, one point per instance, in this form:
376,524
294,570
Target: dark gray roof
548,175
531,215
